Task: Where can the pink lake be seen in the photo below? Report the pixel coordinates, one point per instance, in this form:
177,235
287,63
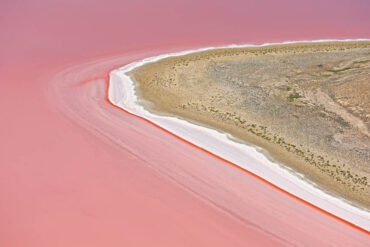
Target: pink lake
76,171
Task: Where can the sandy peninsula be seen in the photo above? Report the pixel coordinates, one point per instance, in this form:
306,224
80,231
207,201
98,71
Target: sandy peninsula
307,104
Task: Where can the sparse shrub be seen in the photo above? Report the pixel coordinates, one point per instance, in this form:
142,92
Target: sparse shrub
294,96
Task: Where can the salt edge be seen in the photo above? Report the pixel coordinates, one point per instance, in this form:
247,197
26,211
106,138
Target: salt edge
121,93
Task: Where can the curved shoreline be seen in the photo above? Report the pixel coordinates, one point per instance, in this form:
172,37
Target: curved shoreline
246,157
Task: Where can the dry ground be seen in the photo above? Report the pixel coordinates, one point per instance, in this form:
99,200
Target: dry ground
307,104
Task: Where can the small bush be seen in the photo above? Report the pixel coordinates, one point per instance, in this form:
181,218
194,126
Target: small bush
294,96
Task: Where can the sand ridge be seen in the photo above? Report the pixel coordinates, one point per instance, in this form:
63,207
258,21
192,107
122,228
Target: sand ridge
289,99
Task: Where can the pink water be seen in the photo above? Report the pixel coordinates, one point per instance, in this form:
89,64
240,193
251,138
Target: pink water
75,171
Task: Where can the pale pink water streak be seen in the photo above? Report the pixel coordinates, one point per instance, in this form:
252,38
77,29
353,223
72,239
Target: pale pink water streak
75,171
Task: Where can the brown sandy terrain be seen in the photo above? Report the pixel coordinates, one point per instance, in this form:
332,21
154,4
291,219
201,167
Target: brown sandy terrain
307,104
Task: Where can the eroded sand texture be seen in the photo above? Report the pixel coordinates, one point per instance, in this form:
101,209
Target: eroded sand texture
307,104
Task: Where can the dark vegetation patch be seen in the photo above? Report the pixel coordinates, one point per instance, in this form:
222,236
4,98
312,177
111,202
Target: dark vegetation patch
338,70
294,96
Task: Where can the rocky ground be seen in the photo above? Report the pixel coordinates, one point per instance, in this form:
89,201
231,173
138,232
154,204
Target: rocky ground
307,104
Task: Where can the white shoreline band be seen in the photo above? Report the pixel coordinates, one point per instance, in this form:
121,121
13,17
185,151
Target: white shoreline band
122,94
